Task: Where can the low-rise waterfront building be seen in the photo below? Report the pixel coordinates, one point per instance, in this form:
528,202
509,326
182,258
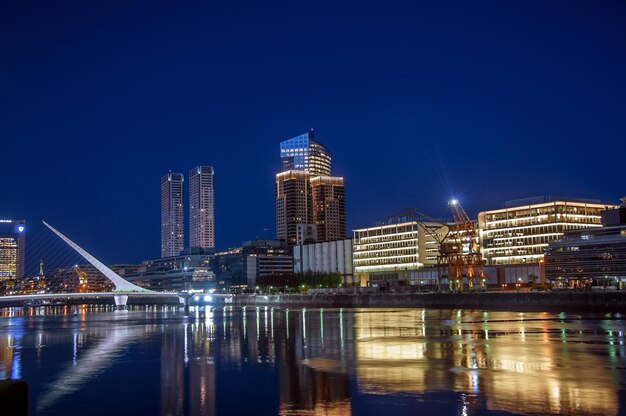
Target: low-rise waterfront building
387,254
521,231
83,278
326,257
589,258
241,267
175,274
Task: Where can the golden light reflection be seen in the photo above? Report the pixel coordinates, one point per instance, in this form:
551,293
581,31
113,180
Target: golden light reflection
521,364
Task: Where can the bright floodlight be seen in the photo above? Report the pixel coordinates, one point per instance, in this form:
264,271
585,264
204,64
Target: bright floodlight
196,298
454,202
208,298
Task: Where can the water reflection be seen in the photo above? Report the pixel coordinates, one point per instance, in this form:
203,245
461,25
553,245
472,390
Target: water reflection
312,361
519,365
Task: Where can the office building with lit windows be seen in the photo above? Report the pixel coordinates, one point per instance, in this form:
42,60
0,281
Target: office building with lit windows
201,208
12,249
303,153
392,253
293,204
175,273
329,209
172,215
590,257
241,267
520,232
310,204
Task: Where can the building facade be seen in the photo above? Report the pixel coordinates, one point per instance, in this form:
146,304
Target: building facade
77,279
590,257
12,249
388,253
521,231
172,215
175,273
326,257
293,204
310,203
255,259
329,208
303,153
201,208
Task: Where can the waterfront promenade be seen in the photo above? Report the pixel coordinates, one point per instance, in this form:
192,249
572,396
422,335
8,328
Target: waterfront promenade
584,301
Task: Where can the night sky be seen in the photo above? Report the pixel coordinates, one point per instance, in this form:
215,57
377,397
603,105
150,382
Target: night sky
417,101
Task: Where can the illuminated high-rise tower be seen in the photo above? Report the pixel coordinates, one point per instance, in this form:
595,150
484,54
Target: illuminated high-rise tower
307,196
293,204
12,249
328,206
172,214
201,208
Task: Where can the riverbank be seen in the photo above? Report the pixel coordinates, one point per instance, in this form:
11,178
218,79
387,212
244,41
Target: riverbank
584,301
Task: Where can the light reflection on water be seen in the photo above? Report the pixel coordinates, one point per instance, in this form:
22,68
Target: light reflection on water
266,360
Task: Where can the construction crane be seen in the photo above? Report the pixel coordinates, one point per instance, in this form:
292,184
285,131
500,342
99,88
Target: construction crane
82,279
458,245
462,251
41,280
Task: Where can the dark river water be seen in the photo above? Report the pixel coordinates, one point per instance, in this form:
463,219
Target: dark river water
267,361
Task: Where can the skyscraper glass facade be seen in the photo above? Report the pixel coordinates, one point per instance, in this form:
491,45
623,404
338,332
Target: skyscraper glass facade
303,153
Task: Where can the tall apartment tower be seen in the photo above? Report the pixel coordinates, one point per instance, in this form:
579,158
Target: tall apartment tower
201,208
329,209
307,196
293,204
172,215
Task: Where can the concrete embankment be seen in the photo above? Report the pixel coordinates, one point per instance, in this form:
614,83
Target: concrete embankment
614,301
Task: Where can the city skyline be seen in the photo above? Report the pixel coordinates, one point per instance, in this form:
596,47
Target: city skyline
536,117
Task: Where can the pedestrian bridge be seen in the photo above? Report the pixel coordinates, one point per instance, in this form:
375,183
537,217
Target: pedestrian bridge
123,288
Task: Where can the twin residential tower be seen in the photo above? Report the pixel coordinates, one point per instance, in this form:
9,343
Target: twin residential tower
201,211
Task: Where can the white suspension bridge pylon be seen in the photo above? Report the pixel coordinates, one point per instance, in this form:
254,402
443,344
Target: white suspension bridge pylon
123,288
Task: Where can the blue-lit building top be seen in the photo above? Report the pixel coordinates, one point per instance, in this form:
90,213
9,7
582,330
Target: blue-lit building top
305,154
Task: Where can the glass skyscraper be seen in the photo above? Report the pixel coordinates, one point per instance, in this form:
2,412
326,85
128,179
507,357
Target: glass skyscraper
303,153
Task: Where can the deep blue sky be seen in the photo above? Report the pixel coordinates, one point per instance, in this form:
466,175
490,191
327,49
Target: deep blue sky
417,101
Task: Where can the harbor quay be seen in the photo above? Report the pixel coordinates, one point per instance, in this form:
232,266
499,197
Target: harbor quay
572,301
